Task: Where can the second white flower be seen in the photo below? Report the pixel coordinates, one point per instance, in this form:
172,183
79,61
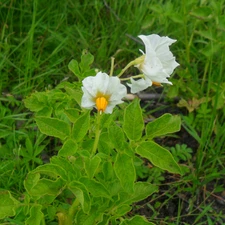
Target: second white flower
156,64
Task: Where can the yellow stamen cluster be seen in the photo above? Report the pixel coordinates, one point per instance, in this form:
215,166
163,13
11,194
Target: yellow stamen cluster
101,103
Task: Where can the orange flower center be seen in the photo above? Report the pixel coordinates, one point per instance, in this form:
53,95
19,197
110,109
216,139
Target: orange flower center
156,83
101,104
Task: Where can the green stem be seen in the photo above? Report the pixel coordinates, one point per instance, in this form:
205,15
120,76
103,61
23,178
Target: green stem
112,66
137,76
97,133
126,67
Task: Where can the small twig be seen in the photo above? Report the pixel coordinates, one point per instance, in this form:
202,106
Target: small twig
111,10
148,96
135,39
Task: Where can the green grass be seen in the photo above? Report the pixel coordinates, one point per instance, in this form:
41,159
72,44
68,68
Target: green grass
37,41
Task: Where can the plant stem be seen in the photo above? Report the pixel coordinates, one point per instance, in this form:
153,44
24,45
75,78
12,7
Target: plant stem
128,78
126,67
97,133
112,66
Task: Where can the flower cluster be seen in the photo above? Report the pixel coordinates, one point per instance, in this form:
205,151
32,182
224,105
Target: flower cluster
104,92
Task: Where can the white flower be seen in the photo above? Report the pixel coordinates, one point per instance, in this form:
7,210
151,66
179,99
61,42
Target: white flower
156,64
102,92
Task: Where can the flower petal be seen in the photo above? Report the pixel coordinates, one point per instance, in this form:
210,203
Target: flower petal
139,85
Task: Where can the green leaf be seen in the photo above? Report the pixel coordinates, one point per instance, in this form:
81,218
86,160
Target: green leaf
72,114
26,203
116,136
121,210
86,60
163,125
8,204
95,188
74,67
53,127
69,148
76,94
107,170
35,101
104,144
68,168
90,72
82,69
125,171
43,186
158,156
141,191
46,111
36,186
52,170
133,121
92,218
136,220
36,216
52,211
81,193
81,127
106,120
91,165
